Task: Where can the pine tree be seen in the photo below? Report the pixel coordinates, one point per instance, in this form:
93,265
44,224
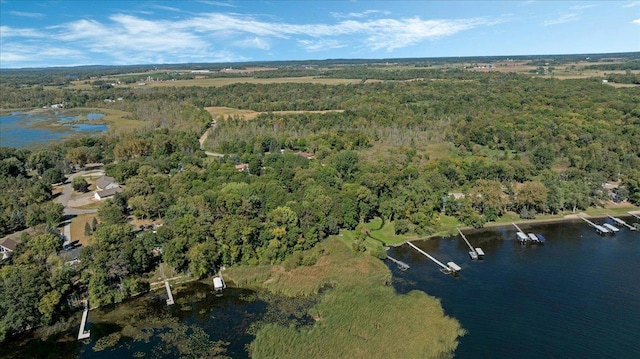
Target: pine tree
87,229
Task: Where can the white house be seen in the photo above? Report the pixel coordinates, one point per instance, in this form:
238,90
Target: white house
106,193
7,246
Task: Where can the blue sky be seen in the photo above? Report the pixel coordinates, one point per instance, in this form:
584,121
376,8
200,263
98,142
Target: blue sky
71,33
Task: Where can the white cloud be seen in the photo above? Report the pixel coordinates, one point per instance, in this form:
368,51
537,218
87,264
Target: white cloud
636,21
582,7
167,8
561,20
358,15
33,15
216,3
255,42
631,4
320,45
6,32
136,38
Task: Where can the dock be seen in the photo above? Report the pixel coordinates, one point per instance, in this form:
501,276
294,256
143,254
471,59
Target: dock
530,238
169,294
635,215
612,228
401,265
84,334
451,267
522,237
622,223
599,229
474,253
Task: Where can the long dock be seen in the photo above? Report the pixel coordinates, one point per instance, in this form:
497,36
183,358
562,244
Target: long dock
599,229
474,253
450,268
635,215
84,334
169,294
622,223
401,265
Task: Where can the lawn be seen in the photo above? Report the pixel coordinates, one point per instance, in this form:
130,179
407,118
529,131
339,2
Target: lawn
77,227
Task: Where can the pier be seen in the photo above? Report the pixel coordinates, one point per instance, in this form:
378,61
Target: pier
169,294
474,253
84,334
451,267
525,238
610,227
622,223
401,265
635,215
522,237
599,229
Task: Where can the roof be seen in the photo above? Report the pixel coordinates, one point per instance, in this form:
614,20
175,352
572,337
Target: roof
104,181
9,244
109,192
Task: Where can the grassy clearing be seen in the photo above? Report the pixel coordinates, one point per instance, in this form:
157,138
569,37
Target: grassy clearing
222,81
360,317
77,228
220,111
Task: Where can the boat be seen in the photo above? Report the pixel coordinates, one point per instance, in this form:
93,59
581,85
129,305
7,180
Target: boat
522,237
218,284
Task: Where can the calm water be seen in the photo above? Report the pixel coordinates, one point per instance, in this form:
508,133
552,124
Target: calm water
147,327
578,296
21,129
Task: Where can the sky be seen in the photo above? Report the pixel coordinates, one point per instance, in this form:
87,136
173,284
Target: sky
72,33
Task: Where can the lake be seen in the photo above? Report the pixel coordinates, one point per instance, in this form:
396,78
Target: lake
25,129
578,296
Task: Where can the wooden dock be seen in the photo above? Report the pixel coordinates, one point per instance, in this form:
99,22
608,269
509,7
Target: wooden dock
474,253
169,294
622,223
401,265
84,334
599,229
451,267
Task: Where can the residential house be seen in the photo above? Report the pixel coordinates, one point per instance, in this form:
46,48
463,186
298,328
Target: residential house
106,182
7,246
109,192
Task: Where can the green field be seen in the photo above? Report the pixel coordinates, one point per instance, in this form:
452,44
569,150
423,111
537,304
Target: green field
361,316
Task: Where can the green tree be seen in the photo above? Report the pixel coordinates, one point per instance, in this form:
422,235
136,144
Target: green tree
80,184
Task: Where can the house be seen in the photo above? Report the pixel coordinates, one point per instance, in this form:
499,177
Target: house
106,182
306,155
242,167
7,246
104,194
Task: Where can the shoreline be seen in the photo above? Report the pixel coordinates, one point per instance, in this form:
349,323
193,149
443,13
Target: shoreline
520,221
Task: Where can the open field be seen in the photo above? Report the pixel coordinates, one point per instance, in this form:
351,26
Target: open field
224,81
220,111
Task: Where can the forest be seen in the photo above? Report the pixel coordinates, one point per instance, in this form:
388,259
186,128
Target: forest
419,148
